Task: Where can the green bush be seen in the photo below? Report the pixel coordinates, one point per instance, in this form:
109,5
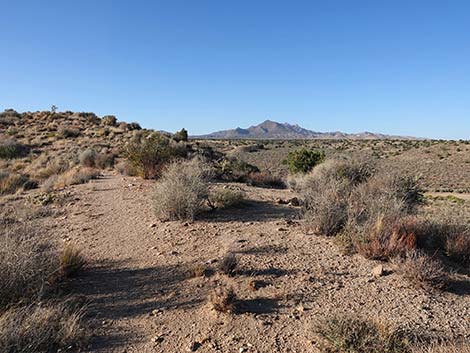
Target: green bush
303,160
181,135
148,154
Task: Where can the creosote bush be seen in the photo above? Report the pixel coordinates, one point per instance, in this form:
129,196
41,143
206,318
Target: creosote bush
182,190
149,153
342,333
303,160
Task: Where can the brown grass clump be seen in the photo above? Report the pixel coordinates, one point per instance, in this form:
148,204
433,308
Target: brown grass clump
351,334
198,270
422,270
223,300
10,183
27,263
182,191
75,176
71,261
38,328
228,264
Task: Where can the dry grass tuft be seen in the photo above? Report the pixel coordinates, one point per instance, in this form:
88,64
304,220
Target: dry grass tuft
351,334
223,300
11,183
198,270
228,264
38,328
71,261
75,176
27,264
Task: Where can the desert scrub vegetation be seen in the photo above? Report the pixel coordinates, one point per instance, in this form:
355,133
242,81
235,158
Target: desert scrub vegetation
74,176
422,269
326,191
148,153
226,198
182,191
342,333
265,179
66,132
41,328
71,261
33,315
92,159
27,265
10,183
223,299
303,160
10,149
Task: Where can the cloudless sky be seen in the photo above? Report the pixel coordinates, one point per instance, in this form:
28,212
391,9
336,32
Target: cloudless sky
391,66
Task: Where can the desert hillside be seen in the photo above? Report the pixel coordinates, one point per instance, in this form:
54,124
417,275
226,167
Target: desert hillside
121,239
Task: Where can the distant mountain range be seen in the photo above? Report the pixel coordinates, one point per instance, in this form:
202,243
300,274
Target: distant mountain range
274,130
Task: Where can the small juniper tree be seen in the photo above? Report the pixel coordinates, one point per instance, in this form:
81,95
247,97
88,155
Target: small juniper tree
303,160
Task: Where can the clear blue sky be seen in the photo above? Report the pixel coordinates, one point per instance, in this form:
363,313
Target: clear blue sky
392,66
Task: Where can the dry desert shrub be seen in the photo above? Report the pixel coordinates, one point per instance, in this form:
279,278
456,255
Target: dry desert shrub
226,198
223,299
27,264
379,222
41,328
76,175
10,149
10,183
150,153
92,159
422,270
265,180
341,333
326,191
182,190
228,264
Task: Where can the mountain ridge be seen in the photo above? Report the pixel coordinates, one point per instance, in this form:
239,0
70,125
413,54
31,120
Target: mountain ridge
270,129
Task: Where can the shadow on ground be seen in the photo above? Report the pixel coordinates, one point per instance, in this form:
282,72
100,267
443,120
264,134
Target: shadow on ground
117,292
254,211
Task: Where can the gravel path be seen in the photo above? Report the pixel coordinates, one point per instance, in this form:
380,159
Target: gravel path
142,299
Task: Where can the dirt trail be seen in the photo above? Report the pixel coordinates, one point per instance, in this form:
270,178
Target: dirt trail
141,299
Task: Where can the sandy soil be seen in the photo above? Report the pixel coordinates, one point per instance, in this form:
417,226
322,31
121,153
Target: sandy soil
142,299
